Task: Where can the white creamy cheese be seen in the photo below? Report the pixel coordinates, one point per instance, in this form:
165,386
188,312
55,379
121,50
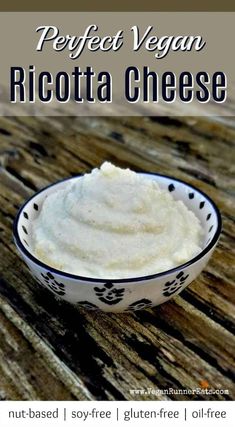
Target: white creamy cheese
114,223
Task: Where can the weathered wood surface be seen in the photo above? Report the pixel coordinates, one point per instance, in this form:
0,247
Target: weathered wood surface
50,350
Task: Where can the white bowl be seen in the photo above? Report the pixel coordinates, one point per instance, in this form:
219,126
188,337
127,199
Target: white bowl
121,294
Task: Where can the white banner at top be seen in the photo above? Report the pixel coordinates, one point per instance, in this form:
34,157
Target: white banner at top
117,63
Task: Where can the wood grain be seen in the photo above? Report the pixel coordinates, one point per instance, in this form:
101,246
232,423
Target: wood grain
49,349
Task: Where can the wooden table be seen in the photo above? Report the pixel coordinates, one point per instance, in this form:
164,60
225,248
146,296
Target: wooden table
50,350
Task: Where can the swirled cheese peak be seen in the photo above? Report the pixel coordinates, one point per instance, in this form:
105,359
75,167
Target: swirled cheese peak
114,223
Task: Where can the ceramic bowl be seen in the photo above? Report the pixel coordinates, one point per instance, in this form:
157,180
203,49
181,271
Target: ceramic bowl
122,294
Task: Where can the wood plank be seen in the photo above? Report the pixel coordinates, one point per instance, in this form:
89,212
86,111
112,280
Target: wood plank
57,350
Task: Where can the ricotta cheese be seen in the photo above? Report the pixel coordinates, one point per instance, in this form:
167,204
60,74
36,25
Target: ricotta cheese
114,223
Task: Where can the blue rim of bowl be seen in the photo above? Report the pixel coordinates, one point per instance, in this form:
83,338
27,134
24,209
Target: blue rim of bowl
126,280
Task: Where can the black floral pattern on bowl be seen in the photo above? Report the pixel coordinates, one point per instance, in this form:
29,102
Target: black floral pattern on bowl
141,304
108,294
171,287
50,282
87,304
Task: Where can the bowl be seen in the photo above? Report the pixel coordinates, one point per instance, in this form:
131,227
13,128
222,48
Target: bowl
121,295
